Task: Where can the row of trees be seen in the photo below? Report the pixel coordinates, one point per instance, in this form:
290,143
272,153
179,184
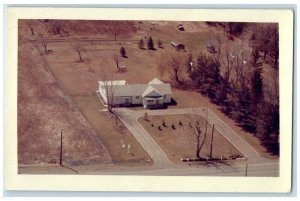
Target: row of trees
239,90
150,44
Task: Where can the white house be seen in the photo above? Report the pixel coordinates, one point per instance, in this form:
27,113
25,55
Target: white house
154,94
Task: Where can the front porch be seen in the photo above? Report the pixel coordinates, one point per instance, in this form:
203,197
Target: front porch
153,102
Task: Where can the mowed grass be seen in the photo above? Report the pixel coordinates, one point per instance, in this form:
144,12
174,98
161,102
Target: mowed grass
180,141
112,135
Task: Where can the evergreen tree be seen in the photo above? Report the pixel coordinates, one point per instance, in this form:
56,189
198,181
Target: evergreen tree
150,44
207,76
257,86
267,124
123,52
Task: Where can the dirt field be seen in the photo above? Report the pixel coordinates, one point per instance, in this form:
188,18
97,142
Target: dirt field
180,142
44,109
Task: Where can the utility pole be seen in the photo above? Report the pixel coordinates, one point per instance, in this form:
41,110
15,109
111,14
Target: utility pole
61,148
246,173
212,140
115,36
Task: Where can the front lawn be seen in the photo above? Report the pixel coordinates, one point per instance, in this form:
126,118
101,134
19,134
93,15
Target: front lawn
177,139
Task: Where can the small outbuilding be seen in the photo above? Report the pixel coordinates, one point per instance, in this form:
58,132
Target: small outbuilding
177,46
180,27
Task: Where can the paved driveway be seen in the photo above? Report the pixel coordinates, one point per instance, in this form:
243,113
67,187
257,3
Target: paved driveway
129,118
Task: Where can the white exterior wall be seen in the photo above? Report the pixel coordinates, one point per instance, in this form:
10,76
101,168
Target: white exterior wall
137,100
103,94
167,98
117,100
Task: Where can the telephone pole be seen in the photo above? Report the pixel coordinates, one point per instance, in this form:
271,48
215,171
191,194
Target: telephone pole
115,36
61,148
212,140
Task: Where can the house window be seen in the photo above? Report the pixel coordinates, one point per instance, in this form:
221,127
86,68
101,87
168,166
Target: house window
137,97
165,96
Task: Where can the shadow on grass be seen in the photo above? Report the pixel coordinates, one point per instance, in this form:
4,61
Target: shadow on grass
223,165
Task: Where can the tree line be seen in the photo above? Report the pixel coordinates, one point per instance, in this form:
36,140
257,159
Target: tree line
239,90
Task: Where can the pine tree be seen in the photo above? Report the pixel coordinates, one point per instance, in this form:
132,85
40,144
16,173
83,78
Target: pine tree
123,51
257,86
207,76
150,44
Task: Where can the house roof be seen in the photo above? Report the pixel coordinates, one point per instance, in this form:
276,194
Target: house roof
112,82
176,44
151,92
138,89
173,43
155,81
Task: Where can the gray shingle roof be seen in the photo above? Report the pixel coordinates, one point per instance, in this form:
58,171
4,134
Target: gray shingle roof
138,89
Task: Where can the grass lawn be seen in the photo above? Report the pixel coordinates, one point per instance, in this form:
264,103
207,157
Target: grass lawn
181,143
113,136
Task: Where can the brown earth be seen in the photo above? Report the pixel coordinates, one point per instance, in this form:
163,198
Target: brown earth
44,109
79,82
179,142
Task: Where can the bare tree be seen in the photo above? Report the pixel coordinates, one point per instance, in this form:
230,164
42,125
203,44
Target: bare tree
43,42
78,47
266,39
117,60
214,47
200,136
56,26
107,77
241,66
227,59
174,63
30,26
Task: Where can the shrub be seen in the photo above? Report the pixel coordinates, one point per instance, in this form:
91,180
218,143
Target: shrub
123,51
164,123
146,117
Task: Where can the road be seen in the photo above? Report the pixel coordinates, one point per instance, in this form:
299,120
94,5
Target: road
236,169
255,165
